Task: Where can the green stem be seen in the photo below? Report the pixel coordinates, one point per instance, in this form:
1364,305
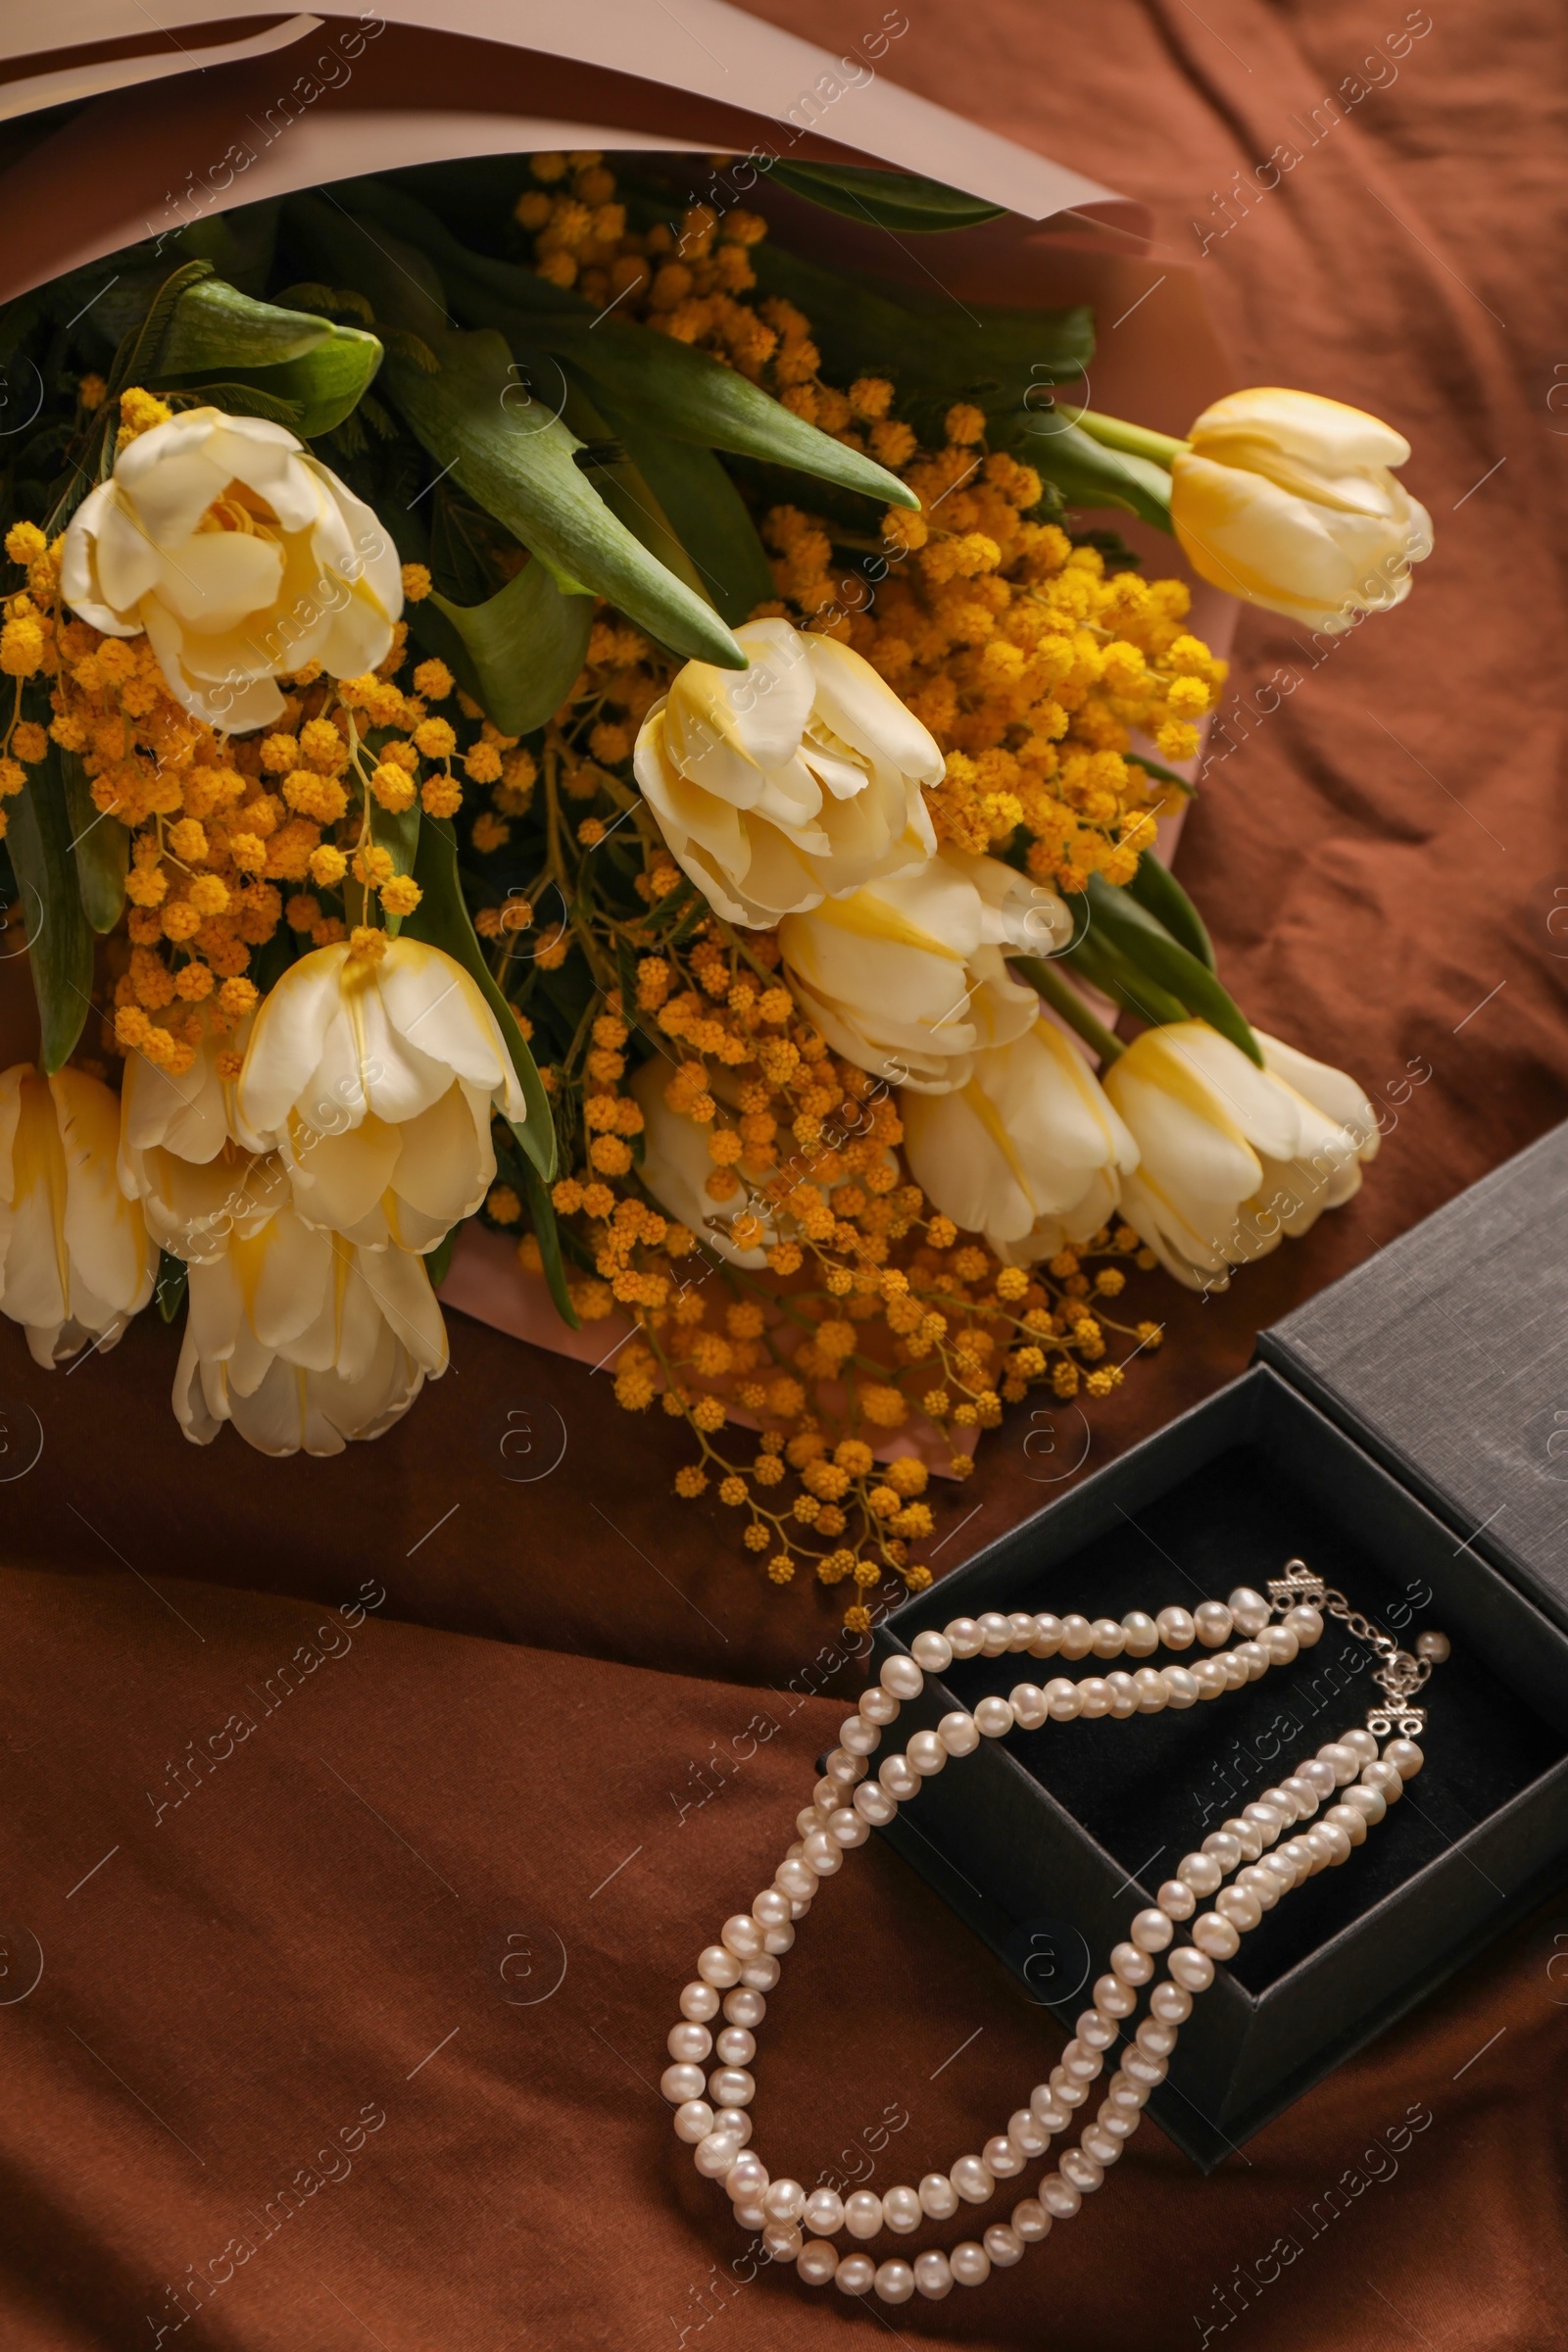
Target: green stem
1138,440
1064,999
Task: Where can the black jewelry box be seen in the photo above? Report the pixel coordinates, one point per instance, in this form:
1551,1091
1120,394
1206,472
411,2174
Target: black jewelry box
1407,1434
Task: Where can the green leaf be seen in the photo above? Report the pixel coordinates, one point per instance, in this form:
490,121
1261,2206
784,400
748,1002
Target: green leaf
482,426
399,832
59,942
1107,969
100,846
1145,943
441,918
518,654
211,330
541,1212
140,350
1084,470
670,387
707,512
1047,982
897,200
1160,894
173,1281
609,466
439,1261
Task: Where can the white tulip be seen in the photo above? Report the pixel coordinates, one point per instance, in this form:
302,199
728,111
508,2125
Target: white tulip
76,1261
1289,499
908,977
676,1166
1232,1156
185,1155
376,1077
790,782
1028,1152
241,555
303,1342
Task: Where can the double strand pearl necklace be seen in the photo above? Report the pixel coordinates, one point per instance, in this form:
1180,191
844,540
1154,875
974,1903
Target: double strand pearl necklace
1348,1778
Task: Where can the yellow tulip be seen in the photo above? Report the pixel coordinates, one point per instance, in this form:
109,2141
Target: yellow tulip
1289,501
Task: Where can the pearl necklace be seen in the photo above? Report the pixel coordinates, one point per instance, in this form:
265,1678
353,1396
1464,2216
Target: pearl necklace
743,1967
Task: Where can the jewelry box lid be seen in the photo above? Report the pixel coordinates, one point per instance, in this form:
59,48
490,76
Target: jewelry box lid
1447,1357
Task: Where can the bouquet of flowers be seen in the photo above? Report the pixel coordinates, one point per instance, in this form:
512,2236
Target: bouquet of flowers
532,700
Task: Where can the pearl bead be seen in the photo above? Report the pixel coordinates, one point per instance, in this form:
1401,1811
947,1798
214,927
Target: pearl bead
1095,2032
1107,1639
1305,1795
690,2043
741,1935
1001,2158
846,1828
938,2198
1003,2245
1176,1628
796,1877
859,1737
996,1633
1141,1633
1061,1698
1112,1998
1210,1677
1180,1688
1060,2197
902,1677
783,2241
1070,2093
1154,1693
895,2281
1286,1806
1339,1841
1348,1818
1081,2169
730,2087
1077,1637
1221,1847
1434,1645
694,2120
784,2200
681,2083
1047,1636
1405,1756
855,2275
899,1777
1133,1966
1386,1778
1156,2037
933,2276
993,1717
1150,1930
737,2047
932,1652
1123,2096
816,2262
808,1818
1025,2133
1253,1656
1170,2004
1192,1971
1049,2113
969,2263
965,1637
1030,2220
1200,1872
715,2155
1243,1910
1216,1935
1306,1623
874,1805
1262,1883
719,1966
959,1733
824,1854
1248,1842
824,2212
1123,1694
1103,2146
972,2179
1361,1741
901,2210
1250,1609
1020,1629
1319,1775
1212,1622
926,1753
746,2183
1268,1820
1080,2064
1029,1706
863,2213
772,1909
1280,1643
1094,1696
842,1771
698,2002
1140,2067
1177,1899
1236,1675
1367,1801
878,1707
1342,1760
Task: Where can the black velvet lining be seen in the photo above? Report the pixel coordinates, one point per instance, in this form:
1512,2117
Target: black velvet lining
1149,1789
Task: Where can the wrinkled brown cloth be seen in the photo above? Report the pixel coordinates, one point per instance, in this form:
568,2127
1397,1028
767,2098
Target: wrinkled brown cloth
366,2029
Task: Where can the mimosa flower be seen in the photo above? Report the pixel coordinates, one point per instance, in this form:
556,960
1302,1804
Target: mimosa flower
240,555
1289,501
790,782
76,1261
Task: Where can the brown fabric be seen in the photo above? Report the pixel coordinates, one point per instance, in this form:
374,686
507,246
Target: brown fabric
504,1748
